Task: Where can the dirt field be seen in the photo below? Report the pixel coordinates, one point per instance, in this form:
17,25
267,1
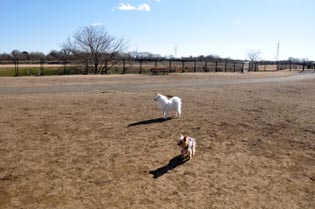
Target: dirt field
99,142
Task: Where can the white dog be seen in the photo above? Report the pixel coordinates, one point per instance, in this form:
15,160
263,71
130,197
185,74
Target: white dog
165,104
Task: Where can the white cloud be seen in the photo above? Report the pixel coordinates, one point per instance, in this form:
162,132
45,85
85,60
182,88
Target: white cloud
144,7
128,7
97,24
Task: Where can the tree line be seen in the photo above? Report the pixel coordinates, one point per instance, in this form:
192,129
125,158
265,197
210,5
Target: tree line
98,51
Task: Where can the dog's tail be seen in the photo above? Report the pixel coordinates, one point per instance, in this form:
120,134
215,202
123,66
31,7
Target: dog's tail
171,96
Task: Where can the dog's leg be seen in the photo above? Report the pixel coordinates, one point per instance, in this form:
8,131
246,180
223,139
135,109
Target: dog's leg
178,112
194,150
165,113
190,155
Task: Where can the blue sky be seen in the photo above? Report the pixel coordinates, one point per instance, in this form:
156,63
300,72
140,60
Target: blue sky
196,27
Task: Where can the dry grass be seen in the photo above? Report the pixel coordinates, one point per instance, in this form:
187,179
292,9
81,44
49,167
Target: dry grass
95,149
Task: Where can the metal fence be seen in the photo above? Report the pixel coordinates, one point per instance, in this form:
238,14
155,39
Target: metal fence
143,66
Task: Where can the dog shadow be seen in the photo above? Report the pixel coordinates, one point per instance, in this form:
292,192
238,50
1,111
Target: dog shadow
146,122
173,163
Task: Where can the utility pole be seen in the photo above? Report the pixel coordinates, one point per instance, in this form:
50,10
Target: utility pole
278,49
175,52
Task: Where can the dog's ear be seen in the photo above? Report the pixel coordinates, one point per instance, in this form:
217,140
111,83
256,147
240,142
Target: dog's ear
182,136
185,138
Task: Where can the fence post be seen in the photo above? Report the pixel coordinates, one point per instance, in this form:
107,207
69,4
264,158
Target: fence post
303,66
64,65
242,70
86,62
234,68
195,67
155,63
206,66
216,66
124,66
16,66
140,71
41,68
170,66
225,64
183,66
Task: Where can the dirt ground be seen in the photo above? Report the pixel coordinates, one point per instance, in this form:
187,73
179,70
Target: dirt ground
99,142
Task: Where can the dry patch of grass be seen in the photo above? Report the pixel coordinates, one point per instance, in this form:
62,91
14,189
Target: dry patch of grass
255,146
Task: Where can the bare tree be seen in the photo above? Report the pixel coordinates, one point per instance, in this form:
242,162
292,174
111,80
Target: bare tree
36,56
96,46
254,56
5,57
16,54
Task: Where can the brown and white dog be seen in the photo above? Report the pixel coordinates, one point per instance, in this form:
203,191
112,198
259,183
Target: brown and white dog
188,145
